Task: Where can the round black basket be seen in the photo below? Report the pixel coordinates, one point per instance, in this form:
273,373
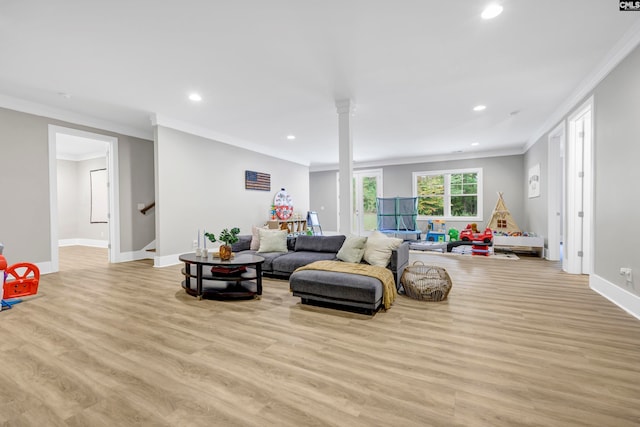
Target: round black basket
426,282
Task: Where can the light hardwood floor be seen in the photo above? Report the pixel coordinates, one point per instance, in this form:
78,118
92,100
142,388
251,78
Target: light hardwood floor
518,343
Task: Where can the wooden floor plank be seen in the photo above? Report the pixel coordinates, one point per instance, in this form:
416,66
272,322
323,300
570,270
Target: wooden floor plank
518,343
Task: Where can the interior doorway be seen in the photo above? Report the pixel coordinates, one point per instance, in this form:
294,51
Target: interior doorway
367,187
109,146
555,189
577,252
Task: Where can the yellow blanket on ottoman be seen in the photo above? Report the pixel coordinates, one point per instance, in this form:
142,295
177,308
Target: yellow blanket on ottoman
383,274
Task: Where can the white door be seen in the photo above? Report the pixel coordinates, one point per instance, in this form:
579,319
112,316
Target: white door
577,251
367,187
555,185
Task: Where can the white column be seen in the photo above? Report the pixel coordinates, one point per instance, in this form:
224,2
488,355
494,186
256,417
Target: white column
345,152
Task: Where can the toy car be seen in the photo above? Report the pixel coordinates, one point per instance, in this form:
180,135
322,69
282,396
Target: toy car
469,235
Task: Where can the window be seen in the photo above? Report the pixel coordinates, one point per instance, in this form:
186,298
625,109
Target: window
453,195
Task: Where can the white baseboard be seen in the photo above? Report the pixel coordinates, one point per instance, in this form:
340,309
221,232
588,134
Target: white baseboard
166,261
133,256
621,297
84,242
45,267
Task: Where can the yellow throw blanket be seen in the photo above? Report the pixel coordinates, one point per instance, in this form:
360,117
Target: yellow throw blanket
383,274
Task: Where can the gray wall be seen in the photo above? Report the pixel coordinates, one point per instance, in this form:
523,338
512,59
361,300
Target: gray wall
24,176
74,200
200,184
67,199
505,174
616,152
617,175
536,217
323,194
136,169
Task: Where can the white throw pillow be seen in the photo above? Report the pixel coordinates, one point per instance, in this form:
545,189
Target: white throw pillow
377,250
352,249
255,238
272,240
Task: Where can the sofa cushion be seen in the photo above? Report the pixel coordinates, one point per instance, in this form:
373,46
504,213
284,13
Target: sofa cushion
291,243
378,249
243,243
340,287
319,243
289,262
352,249
269,257
272,240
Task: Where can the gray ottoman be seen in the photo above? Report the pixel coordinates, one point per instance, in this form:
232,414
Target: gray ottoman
346,290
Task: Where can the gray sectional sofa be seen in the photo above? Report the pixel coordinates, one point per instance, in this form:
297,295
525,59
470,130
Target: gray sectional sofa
339,290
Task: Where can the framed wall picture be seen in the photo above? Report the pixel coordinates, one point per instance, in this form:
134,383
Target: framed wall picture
534,181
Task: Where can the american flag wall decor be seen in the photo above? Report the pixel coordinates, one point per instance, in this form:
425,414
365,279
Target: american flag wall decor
257,181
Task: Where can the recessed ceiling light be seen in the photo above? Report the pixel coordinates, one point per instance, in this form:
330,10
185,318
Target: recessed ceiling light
195,97
479,108
291,137
475,143
65,95
491,11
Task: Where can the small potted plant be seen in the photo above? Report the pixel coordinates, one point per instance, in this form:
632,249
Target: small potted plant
227,236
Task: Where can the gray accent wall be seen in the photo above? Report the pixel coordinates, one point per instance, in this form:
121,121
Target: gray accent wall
200,183
505,174
24,180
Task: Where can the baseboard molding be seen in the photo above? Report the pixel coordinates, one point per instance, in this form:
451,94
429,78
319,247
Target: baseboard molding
166,260
133,256
619,296
45,267
84,242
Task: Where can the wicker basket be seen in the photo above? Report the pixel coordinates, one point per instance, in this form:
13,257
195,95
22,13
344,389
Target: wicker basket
426,282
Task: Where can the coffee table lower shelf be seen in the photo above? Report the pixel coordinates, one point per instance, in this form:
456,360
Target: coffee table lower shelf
218,289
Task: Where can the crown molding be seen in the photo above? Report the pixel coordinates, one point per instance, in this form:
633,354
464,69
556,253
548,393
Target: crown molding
620,50
42,110
424,159
72,158
164,121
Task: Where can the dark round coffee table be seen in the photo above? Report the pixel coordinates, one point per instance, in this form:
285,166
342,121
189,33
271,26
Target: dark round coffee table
240,277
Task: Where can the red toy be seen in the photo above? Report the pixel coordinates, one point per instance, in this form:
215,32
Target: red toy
472,234
19,280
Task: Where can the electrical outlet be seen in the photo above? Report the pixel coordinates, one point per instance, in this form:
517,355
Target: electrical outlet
626,272
140,206
194,244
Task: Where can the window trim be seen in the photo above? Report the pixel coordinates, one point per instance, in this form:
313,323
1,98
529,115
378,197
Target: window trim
447,193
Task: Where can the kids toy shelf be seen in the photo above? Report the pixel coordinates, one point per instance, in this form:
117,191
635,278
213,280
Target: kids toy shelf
522,243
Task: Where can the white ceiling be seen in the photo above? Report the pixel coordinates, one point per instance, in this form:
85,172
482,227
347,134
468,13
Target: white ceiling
77,148
266,69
